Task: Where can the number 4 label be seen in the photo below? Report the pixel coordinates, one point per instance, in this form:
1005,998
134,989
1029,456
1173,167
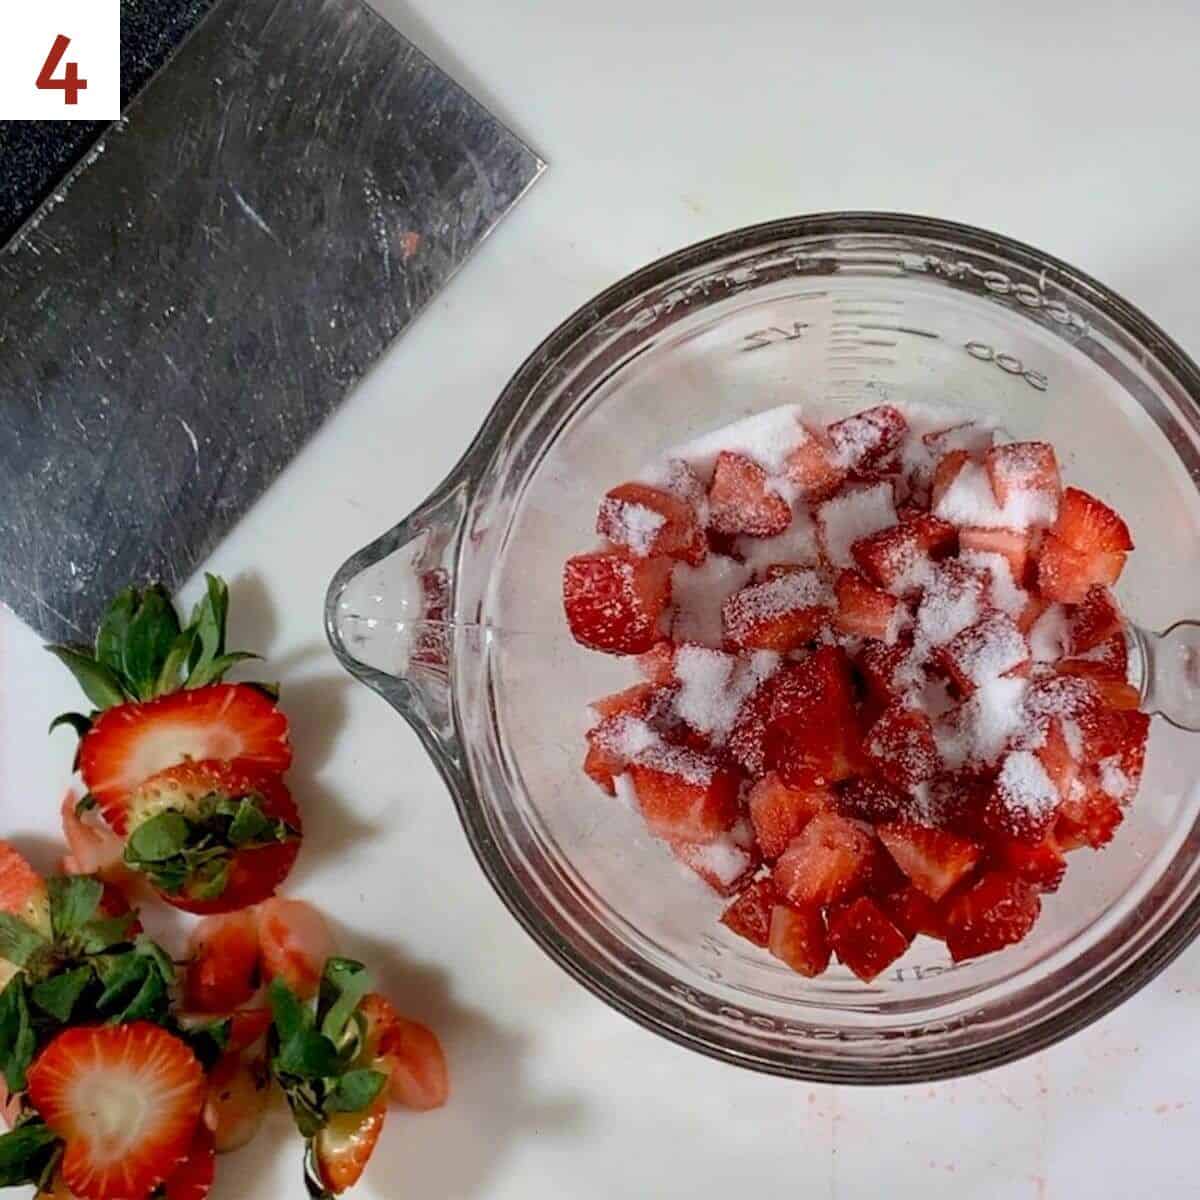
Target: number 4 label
70,84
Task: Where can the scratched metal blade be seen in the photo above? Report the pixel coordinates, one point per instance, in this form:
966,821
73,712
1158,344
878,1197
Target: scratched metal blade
272,210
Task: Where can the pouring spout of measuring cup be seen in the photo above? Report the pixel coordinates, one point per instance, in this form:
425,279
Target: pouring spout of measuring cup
1169,665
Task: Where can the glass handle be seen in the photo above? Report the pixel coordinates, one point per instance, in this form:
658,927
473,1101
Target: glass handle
1170,680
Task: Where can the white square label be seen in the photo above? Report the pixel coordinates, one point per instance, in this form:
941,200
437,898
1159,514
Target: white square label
60,60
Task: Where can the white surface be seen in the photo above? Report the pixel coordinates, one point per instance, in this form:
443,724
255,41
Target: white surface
1073,129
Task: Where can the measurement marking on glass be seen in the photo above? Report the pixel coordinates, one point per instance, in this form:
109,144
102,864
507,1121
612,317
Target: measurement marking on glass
773,335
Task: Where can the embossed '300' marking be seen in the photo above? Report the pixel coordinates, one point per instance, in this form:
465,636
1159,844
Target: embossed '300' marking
1009,363
772,335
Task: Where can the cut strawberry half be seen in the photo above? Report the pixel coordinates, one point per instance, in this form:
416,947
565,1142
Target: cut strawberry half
913,912
408,1052
898,558
236,1102
125,1099
345,1144
781,614
1090,526
863,441
997,911
866,610
827,861
934,860
985,650
779,812
813,468
647,521
797,937
295,942
902,748
613,601
865,938
749,916
193,1178
222,971
130,743
741,502
1011,544
212,837
693,799
1025,473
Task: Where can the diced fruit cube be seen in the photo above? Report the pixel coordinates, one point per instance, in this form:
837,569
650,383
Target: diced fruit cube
913,912
1089,525
827,861
747,739
1041,864
865,798
779,812
866,610
1012,544
1023,800
696,801
902,748
1025,473
781,614
1109,660
879,664
945,473
633,700
749,916
613,601
724,864
897,558
1088,817
932,858
1095,620
865,938
1056,758
997,911
602,767
797,937
813,468
1066,574
657,665
647,521
862,442
989,648
740,500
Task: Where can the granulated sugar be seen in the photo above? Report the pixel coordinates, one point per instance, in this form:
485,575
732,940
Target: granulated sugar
1002,588
969,501
631,525
785,594
699,594
856,513
767,438
1113,779
797,544
992,647
714,685
1024,788
1048,635
950,603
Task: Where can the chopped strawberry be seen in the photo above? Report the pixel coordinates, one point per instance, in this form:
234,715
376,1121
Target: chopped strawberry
1035,606
1067,574
1011,544
985,650
1131,757
812,734
1056,758
747,739
779,812
974,439
236,1103
130,743
648,522
408,1052
1094,620
1024,469
902,748
341,1149
125,1099
866,610
632,700
813,467
797,937
692,800
193,1178
897,558
1089,526
866,798
913,912
1109,660
946,472
932,858
22,890
879,664
1088,817
295,941
1089,723
602,766
613,601
1115,693
740,500
826,862
222,971
865,938
726,862
780,614
749,916
1041,864
657,665
1024,799
246,1026
997,911
863,441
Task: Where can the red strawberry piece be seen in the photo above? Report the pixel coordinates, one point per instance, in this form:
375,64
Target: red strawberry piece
956,801
657,665
865,938
1035,606
191,789
866,798
866,610
647,522
1024,469
246,1026
779,812
613,601
125,1099
879,664
853,514
1067,575
1116,693
813,467
408,1052
193,1178
726,862
1041,864
22,890
797,937
690,798
741,502
1108,660
913,912
295,941
863,441
635,700
933,859
1088,817
1095,620
236,1103
902,748
781,614
827,861
1093,730
1024,799
997,911
1090,526
945,473
130,743
897,558
222,971
749,916
747,739
1131,758
1056,758
344,1145
1011,544
989,648
602,766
